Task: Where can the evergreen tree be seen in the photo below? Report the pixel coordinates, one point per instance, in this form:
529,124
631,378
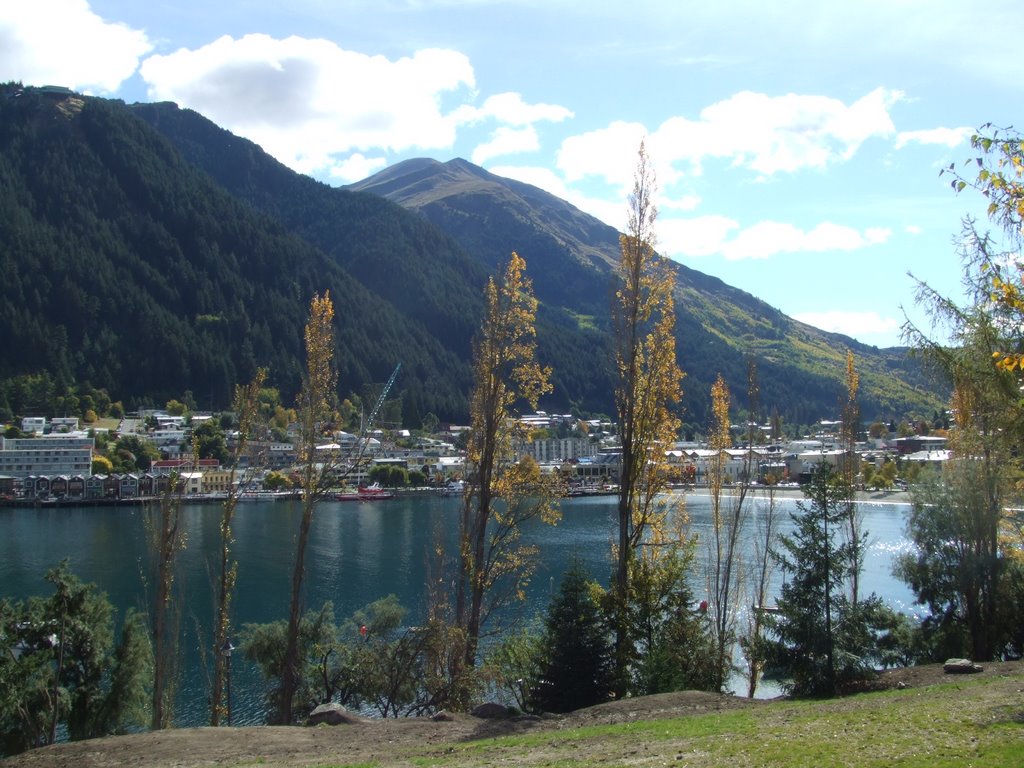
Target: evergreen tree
814,567
823,639
576,649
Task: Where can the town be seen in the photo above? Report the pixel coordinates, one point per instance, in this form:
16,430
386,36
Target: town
53,460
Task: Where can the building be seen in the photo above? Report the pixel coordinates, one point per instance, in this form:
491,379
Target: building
51,455
558,449
33,425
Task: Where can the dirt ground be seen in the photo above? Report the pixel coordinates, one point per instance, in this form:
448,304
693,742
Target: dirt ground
377,740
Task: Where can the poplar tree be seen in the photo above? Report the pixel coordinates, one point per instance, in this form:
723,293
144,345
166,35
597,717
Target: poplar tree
648,387
503,491
313,409
246,406
728,520
852,518
166,538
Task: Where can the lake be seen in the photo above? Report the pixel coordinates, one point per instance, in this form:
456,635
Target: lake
358,552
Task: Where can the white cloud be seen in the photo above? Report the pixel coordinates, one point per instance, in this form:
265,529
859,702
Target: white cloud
949,137
609,153
913,229
356,168
507,141
307,100
765,134
62,42
714,235
769,238
510,109
684,203
856,324
698,236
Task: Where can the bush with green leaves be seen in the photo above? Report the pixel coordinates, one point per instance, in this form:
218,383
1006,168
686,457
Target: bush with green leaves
673,647
368,662
62,670
514,667
958,569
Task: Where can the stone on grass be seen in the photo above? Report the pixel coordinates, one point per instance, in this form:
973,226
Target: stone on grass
961,667
332,714
492,711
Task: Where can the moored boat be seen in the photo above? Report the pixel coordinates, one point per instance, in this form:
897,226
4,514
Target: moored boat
365,493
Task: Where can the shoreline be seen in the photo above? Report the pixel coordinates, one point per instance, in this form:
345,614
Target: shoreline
789,492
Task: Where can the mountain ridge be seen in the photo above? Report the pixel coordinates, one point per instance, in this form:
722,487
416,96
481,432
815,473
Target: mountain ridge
710,313
219,247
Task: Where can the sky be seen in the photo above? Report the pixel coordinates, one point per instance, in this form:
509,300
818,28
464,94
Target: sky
797,144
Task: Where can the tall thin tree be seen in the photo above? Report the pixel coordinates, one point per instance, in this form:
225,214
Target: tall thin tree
314,409
246,407
851,516
166,537
648,386
503,491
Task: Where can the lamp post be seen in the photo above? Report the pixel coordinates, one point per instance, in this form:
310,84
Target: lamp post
225,651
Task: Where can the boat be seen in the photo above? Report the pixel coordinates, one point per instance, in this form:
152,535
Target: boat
454,488
365,493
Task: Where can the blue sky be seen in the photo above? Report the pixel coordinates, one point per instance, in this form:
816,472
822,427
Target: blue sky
797,144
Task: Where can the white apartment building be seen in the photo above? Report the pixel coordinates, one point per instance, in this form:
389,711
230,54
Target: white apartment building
556,449
51,456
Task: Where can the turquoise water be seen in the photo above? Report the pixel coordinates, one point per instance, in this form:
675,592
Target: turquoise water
358,552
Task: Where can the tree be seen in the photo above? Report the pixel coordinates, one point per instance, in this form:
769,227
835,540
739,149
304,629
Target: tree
133,453
60,665
577,663
960,552
314,410
647,388
822,639
101,465
209,441
728,521
852,518
503,493
166,538
673,644
815,567
246,406
267,646
763,568
957,568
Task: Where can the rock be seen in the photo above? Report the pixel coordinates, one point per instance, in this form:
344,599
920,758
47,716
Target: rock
900,685
961,667
442,717
491,711
332,714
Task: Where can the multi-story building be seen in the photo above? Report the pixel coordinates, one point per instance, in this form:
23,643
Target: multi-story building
559,449
50,455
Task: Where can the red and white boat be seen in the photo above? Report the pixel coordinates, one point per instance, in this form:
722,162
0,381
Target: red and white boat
365,493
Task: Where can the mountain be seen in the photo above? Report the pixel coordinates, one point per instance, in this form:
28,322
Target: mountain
127,267
148,251
570,255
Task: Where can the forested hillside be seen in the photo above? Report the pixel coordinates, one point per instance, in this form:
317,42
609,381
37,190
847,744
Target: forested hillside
126,267
149,252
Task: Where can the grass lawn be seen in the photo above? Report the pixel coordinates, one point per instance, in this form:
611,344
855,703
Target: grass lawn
969,722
